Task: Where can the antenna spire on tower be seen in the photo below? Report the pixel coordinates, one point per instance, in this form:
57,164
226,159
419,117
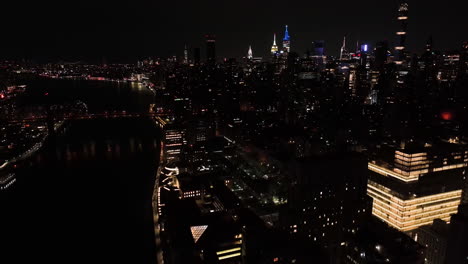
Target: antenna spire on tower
286,34
274,47
344,52
286,41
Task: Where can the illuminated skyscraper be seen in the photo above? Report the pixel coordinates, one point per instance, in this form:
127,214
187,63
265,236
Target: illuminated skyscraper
413,185
250,53
174,142
363,53
401,35
274,48
210,48
344,54
286,41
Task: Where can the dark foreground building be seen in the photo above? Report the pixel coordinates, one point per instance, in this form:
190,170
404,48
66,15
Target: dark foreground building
376,242
327,201
457,250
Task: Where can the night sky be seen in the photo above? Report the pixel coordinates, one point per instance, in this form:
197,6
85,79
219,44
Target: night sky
123,31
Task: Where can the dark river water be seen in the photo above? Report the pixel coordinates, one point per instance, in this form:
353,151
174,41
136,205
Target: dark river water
86,196
99,96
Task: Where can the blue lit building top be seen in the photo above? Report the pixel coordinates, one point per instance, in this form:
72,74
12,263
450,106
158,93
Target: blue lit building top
286,34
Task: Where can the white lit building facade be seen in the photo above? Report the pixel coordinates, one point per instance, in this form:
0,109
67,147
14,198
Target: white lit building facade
413,186
174,143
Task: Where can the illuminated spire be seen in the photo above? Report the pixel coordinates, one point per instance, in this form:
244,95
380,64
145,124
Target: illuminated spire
274,48
286,41
250,53
344,52
286,34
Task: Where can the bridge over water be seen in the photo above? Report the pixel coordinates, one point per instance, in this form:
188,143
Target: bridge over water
104,115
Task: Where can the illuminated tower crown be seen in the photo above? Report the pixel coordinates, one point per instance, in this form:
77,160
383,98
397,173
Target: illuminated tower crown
274,48
250,53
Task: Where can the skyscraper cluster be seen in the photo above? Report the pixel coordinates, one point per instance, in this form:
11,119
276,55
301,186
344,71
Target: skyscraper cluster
355,156
286,44
306,157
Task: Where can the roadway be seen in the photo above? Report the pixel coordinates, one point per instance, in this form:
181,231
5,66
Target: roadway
157,226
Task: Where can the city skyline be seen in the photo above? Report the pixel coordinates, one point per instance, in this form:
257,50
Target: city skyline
234,133
108,32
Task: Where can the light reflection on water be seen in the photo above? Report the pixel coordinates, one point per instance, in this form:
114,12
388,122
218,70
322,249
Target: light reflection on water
110,148
98,176
93,180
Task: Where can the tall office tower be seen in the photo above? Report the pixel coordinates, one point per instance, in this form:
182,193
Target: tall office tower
318,48
401,35
185,55
358,82
210,48
196,56
457,248
426,62
327,200
381,55
363,54
174,142
250,53
274,47
352,80
286,41
318,53
416,183
429,44
364,74
344,54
